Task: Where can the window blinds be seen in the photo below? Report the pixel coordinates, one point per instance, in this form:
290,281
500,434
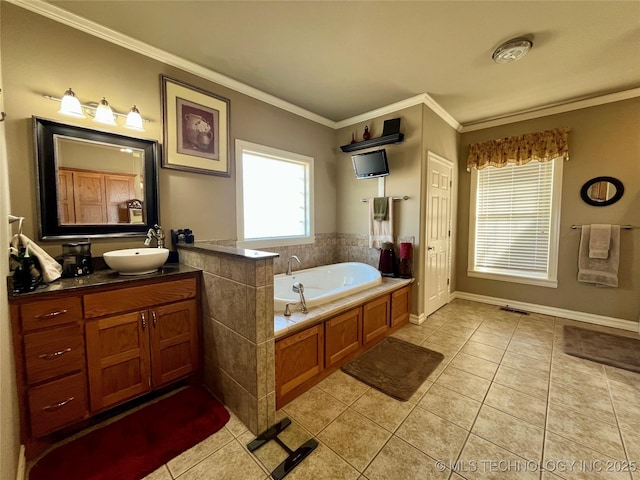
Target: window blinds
513,219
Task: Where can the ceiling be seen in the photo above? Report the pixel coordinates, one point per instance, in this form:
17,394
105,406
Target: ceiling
340,59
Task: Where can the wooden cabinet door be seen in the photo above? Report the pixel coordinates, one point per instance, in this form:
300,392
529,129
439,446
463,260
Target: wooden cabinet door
66,211
118,189
174,341
400,306
118,358
343,335
375,320
299,358
88,196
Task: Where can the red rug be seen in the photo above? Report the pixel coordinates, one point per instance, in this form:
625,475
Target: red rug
139,443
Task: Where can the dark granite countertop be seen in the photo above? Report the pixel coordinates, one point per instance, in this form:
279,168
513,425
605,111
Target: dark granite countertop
101,278
231,251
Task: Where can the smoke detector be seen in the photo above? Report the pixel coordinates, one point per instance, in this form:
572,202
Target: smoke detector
512,50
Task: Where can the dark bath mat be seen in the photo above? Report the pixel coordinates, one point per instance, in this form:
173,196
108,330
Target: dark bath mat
395,367
621,352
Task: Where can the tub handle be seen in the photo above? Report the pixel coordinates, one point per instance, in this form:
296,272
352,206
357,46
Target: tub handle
287,312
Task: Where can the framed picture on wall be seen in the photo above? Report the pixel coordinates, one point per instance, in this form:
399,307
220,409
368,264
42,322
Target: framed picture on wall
196,129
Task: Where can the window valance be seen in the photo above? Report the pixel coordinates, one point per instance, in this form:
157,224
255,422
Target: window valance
540,146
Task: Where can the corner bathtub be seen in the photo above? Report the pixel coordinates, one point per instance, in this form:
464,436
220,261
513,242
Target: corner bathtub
324,284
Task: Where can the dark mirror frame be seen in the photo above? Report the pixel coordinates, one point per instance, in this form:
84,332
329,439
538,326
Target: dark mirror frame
584,191
47,183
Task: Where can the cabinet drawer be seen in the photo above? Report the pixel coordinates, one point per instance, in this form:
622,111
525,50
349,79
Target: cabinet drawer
58,403
134,298
48,313
52,353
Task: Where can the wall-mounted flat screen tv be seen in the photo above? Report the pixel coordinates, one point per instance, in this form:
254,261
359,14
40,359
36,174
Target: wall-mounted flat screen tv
371,164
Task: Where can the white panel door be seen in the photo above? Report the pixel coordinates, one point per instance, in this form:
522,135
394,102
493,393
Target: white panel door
438,232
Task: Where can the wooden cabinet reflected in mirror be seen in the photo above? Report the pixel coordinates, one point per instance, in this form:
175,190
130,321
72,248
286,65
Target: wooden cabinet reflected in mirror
93,183
602,191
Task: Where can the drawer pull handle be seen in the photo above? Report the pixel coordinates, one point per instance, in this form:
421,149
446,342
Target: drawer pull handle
57,406
51,356
155,320
50,314
144,321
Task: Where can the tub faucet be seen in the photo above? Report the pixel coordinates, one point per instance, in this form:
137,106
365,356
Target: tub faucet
293,257
299,288
155,231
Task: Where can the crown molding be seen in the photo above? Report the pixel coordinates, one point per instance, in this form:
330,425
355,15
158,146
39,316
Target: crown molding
552,110
422,99
79,23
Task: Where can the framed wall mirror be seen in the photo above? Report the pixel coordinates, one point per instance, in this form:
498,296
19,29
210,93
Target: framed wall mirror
602,191
93,183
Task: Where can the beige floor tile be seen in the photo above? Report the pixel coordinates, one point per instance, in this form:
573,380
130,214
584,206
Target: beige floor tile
510,433
433,435
526,364
456,330
585,430
269,456
573,461
343,387
577,378
451,406
475,365
483,351
561,359
539,352
631,442
490,339
399,460
439,339
387,412
536,385
520,405
627,411
413,335
464,383
502,330
231,462
626,377
467,320
426,385
314,409
323,464
483,460
199,452
586,399
355,438
235,426
536,337
160,474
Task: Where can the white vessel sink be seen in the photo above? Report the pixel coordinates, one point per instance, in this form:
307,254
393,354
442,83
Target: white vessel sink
136,261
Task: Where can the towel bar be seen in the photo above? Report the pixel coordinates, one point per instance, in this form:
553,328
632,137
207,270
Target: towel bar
395,198
623,227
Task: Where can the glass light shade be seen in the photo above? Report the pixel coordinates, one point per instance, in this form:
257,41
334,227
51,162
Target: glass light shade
70,105
134,120
104,114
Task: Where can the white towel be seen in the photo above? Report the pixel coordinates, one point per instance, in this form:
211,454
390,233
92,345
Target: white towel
599,240
602,272
50,269
380,231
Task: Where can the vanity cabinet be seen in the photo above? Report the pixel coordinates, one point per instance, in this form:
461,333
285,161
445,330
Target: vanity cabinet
375,318
343,335
400,306
81,352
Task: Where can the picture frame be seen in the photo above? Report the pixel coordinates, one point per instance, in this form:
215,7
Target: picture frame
196,129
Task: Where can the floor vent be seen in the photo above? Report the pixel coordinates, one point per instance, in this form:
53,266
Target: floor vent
507,308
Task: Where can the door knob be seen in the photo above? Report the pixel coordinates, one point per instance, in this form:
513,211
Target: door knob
430,248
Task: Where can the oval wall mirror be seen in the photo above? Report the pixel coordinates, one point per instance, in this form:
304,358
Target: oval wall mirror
602,191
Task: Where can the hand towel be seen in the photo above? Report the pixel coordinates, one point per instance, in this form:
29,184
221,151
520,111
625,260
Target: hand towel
380,230
51,270
599,240
380,208
602,272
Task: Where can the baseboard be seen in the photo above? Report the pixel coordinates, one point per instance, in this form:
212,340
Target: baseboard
417,319
553,311
22,463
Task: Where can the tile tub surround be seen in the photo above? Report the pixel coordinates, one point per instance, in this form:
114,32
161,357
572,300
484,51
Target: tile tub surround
238,334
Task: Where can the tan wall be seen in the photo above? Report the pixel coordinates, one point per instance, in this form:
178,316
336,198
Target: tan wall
42,56
603,140
423,131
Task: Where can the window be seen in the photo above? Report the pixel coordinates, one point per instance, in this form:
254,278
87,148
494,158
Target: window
515,215
275,196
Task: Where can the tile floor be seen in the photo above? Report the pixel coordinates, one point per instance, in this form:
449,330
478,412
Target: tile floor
505,403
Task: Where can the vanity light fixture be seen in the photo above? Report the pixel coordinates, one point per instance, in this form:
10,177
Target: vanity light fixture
104,114
101,111
512,50
70,105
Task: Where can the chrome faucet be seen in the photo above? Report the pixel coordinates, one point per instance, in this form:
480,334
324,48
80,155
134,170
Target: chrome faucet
299,288
157,232
293,257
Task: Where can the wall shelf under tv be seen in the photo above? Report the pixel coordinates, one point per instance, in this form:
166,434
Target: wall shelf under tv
373,142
